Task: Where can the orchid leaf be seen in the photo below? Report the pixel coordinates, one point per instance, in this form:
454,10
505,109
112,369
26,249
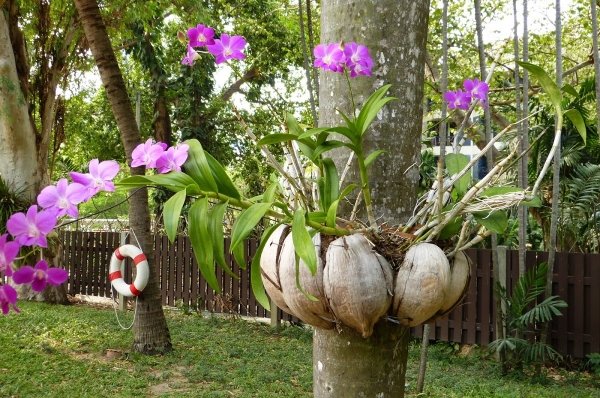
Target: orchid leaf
332,144
332,211
171,213
372,108
255,272
298,286
547,83
303,244
369,159
331,189
578,122
292,124
495,220
196,165
346,132
567,88
269,195
202,243
215,231
174,181
276,139
451,228
311,132
455,163
224,183
246,222
239,254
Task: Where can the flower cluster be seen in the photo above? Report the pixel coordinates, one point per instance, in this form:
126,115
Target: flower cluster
158,156
338,57
224,48
32,228
474,89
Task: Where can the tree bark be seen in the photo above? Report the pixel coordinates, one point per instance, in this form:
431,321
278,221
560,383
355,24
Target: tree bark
151,334
345,364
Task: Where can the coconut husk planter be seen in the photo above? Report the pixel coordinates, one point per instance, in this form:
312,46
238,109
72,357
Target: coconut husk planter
361,279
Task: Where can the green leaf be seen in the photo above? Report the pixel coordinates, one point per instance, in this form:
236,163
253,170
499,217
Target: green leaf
269,195
372,108
246,222
332,183
202,243
332,144
349,123
547,84
276,139
567,88
309,133
303,244
451,228
486,193
174,181
292,124
255,272
455,163
332,211
495,221
346,132
535,202
171,213
215,231
578,122
196,165
224,184
239,254
298,286
369,159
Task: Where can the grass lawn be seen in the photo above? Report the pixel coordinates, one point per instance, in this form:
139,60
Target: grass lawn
59,351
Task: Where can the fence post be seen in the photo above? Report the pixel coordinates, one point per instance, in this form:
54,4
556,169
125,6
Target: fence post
275,321
501,252
123,299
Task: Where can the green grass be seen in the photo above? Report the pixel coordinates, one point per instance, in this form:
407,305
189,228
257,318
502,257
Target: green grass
58,351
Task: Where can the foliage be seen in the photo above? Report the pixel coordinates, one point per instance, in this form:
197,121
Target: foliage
11,201
523,311
594,362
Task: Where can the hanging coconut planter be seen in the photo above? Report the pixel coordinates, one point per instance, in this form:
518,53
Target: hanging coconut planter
269,267
421,284
311,311
358,283
460,278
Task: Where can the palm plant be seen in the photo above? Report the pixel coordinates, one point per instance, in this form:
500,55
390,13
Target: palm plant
521,344
12,200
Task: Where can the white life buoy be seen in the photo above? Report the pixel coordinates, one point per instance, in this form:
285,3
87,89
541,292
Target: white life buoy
115,273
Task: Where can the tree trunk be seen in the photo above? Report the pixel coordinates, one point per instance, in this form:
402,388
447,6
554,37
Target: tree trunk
151,334
395,31
20,166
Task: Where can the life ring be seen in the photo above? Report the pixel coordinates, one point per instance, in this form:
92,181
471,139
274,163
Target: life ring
115,273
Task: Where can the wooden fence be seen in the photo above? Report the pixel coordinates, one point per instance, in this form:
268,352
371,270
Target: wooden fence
86,256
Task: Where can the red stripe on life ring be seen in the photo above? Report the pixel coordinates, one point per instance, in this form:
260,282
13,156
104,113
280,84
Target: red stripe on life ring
115,275
139,258
134,290
119,255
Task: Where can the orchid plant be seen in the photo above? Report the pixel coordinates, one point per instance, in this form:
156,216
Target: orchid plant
31,229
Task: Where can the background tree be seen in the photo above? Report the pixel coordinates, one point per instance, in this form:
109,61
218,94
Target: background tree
151,333
345,364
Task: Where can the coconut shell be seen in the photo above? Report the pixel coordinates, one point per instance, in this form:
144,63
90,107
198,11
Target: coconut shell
460,278
315,313
358,283
421,284
269,267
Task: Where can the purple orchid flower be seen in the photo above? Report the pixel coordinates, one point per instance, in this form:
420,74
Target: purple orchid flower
477,89
191,56
63,198
99,178
147,154
8,295
8,252
362,67
227,47
201,36
330,57
458,99
355,53
172,159
40,276
31,229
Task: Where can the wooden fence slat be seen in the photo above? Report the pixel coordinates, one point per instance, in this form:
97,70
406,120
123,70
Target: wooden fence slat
594,319
561,270
576,264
